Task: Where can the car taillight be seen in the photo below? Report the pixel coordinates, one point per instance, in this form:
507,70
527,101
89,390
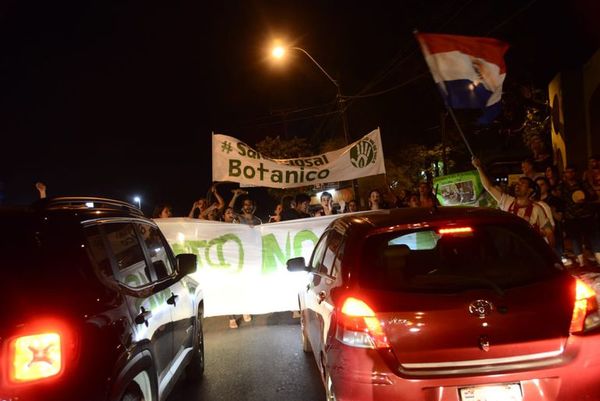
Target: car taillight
455,230
585,311
35,357
38,351
358,326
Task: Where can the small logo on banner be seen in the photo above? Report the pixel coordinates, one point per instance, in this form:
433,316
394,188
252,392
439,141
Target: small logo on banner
363,153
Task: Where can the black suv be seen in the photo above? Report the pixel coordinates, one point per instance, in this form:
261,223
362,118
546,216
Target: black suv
95,305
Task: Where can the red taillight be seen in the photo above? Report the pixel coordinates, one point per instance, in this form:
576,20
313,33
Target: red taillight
35,357
39,351
359,326
455,230
585,309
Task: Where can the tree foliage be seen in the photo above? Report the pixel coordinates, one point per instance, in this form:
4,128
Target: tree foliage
278,148
281,148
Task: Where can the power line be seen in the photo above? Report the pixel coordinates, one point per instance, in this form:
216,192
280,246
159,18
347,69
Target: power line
517,13
360,95
392,66
393,88
397,61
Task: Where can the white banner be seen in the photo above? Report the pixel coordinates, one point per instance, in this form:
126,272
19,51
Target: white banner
242,269
234,161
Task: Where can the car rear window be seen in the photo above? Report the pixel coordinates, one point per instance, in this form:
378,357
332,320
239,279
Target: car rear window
482,256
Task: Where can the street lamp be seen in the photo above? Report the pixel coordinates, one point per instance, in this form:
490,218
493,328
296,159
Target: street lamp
279,51
138,200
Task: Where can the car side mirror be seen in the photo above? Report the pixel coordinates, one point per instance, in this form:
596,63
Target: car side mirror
297,265
186,263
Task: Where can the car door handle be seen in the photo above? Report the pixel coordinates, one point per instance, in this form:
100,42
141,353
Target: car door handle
321,297
173,299
143,317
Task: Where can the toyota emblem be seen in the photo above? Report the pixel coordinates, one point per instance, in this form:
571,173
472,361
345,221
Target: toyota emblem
481,308
484,343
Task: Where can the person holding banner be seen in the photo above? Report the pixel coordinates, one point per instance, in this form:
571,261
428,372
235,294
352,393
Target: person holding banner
197,208
521,204
246,215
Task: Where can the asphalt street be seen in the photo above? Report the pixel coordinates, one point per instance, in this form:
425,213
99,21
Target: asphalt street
262,360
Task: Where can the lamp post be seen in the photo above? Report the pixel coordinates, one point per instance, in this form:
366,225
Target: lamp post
138,200
279,51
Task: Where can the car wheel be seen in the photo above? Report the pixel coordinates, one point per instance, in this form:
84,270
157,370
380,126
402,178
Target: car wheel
195,369
132,394
306,347
329,396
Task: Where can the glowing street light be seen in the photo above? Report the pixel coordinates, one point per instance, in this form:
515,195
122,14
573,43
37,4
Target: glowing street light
138,200
279,51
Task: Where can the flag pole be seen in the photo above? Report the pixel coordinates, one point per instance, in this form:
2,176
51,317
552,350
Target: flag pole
425,51
462,134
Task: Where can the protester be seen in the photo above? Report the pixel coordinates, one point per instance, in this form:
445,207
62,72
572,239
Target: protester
521,204
376,200
302,205
413,200
245,217
553,177
351,206
326,205
528,169
246,214
540,157
41,187
288,208
592,174
162,211
197,208
229,216
214,211
276,214
580,220
426,197
557,207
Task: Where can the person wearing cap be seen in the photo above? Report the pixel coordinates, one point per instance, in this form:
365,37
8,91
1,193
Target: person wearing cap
521,204
580,223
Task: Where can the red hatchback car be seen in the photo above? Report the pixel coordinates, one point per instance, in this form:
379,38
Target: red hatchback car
453,304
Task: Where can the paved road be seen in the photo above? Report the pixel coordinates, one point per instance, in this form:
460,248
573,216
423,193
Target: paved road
260,361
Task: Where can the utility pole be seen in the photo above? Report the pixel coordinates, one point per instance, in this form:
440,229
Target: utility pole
342,108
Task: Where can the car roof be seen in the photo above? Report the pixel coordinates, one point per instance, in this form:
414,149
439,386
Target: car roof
74,209
404,216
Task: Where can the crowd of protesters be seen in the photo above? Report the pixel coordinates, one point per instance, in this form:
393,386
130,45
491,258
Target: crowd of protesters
564,209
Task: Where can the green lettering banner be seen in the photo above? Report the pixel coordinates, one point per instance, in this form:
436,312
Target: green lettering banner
242,269
234,161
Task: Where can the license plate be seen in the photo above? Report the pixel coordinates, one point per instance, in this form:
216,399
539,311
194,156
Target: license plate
499,392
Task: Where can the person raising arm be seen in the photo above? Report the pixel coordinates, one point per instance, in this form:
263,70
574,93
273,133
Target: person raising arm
521,204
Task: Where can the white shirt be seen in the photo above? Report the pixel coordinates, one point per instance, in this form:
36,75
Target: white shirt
532,213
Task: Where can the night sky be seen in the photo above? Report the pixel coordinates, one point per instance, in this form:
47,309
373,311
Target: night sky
119,98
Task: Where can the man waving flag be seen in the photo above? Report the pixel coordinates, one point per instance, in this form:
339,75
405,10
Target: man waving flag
469,70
